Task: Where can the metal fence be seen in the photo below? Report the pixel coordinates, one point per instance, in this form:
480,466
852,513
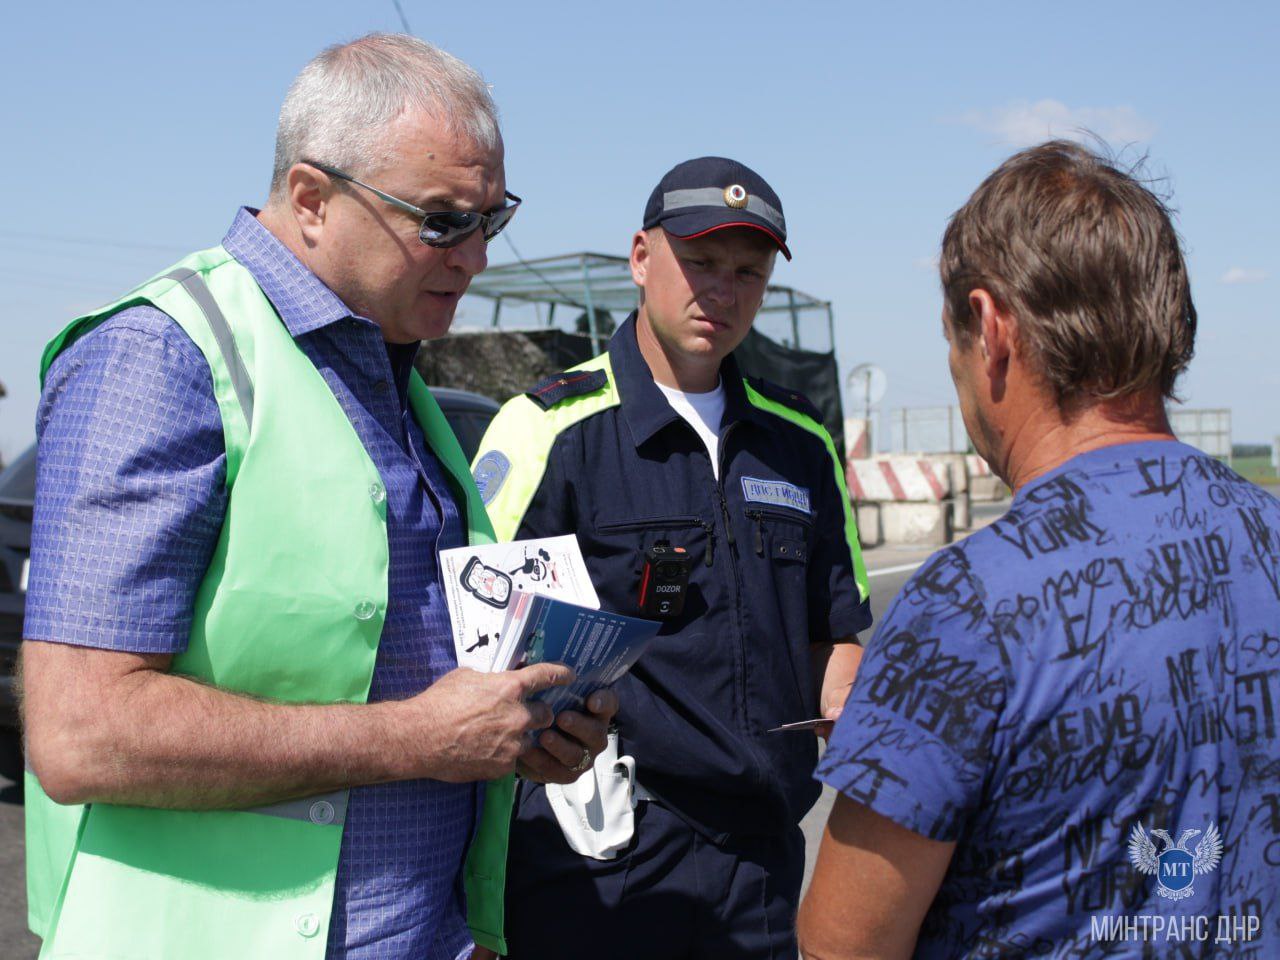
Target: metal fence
927,430
1207,430
941,430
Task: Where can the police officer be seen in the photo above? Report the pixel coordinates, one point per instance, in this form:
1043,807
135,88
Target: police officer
716,504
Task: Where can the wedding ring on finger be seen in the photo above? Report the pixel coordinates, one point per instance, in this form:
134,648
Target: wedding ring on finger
584,763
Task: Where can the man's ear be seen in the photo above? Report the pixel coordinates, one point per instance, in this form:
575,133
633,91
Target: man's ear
995,332
641,250
308,191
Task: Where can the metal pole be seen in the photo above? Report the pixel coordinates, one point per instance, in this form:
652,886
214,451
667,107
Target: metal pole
795,321
551,315
497,309
831,327
591,311
871,440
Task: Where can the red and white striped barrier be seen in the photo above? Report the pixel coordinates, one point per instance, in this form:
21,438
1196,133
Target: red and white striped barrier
908,479
857,438
976,466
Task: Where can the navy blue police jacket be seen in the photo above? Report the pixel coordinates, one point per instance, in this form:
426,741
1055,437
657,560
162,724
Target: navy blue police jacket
598,452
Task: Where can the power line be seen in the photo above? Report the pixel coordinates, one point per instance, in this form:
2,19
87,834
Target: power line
538,273
93,241
53,281
23,251
403,19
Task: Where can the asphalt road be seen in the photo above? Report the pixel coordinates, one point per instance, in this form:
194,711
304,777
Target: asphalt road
887,579
15,942
889,568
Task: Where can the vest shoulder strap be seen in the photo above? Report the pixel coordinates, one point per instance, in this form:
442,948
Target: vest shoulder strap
516,447
183,291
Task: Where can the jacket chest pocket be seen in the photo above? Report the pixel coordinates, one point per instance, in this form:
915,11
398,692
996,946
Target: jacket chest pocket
635,536
779,536
618,554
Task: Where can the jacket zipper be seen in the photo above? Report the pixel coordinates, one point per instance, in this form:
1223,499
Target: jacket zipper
733,568
644,523
649,523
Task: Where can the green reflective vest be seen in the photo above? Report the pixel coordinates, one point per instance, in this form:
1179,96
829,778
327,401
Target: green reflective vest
291,608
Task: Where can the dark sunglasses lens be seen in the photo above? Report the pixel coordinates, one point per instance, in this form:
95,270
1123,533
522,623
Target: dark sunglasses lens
497,220
447,229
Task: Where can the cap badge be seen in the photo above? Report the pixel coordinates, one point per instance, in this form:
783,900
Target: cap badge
735,196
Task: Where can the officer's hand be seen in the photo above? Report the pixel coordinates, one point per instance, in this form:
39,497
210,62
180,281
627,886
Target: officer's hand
474,726
832,713
838,673
563,754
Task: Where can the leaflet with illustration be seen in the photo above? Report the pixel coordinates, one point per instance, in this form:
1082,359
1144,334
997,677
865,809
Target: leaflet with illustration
600,646
480,584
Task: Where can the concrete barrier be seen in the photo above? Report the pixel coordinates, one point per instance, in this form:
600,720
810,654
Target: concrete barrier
857,438
926,524
959,470
896,478
987,489
870,533
976,466
984,486
957,464
910,497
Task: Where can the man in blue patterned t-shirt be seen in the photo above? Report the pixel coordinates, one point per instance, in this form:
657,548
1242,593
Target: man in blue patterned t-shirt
1062,740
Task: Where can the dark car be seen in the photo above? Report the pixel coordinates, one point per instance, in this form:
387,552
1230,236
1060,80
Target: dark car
468,413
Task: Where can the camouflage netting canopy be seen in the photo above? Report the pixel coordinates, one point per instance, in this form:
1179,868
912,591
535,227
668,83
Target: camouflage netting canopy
503,363
499,363
593,293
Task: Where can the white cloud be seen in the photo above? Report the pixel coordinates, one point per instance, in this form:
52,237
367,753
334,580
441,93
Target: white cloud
1243,275
1023,123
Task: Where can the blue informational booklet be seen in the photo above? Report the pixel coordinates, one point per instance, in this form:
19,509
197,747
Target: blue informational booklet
599,646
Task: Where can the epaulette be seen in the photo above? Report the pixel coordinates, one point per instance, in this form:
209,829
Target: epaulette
787,397
562,386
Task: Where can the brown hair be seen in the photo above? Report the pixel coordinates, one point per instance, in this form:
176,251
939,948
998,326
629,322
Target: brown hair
1087,260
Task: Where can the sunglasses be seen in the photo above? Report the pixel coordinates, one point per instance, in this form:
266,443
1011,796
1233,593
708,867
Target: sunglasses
446,228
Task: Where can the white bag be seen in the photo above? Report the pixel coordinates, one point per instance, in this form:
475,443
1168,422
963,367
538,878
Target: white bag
597,811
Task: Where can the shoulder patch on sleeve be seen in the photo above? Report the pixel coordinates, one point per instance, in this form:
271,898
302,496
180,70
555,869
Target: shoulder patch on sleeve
489,473
562,386
786,396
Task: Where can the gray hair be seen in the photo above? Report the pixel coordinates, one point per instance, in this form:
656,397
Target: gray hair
338,108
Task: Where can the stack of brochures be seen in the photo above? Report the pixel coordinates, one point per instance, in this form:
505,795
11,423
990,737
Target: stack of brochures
531,601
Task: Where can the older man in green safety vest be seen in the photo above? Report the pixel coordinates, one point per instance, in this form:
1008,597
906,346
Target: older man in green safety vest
247,732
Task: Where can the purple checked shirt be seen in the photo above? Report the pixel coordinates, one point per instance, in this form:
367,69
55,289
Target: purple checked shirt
131,499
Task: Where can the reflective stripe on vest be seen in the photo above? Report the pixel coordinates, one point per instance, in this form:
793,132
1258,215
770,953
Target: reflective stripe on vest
222,334
291,608
525,433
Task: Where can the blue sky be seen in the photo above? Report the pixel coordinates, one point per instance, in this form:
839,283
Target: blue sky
146,124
